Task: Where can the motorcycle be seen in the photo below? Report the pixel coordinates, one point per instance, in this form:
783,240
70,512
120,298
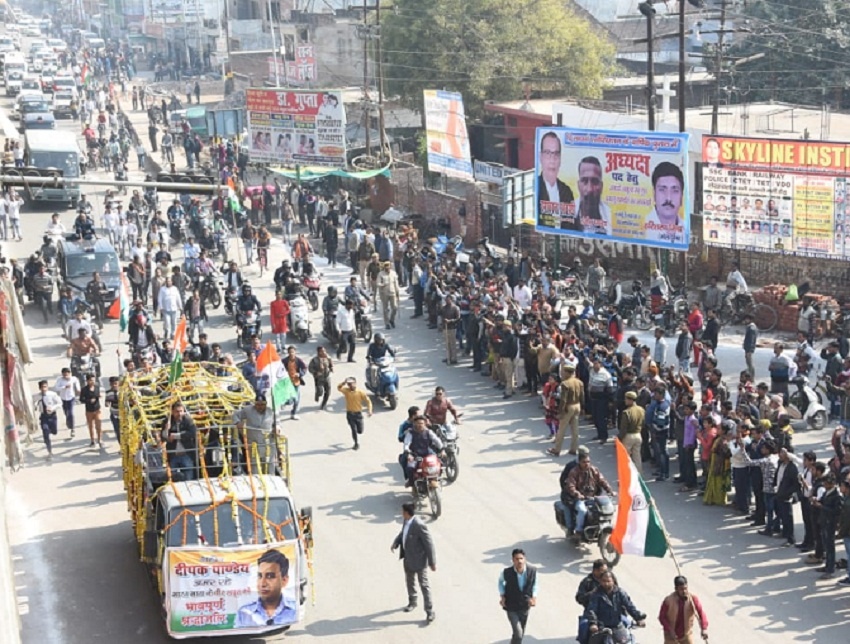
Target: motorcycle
427,483
805,404
312,283
382,380
230,301
208,288
673,313
598,525
250,326
363,323
84,366
449,434
633,308
330,329
299,318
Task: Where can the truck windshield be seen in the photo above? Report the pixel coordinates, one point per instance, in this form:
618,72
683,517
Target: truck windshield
279,515
67,161
84,265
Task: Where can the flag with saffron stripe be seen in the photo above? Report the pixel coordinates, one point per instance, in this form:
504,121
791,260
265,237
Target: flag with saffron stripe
638,530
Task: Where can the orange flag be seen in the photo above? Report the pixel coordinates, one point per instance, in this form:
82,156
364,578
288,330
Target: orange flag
181,338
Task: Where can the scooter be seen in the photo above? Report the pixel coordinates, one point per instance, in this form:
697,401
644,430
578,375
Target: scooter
598,525
382,380
299,317
805,404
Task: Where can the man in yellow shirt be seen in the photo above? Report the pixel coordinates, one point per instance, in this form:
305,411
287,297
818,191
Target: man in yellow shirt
355,400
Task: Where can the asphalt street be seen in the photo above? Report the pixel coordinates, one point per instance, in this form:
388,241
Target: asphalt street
76,561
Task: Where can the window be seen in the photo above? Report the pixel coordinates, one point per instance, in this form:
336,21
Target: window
279,515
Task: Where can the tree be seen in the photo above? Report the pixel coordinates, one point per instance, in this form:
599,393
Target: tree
803,52
485,49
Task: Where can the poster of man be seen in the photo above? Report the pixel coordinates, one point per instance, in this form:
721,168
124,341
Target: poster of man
272,606
628,187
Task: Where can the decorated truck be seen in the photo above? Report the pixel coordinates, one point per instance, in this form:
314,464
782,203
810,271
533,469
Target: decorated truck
215,519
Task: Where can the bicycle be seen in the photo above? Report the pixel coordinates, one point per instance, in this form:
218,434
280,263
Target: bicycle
263,258
736,307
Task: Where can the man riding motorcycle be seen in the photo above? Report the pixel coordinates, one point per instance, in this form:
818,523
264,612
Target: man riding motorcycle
419,441
355,293
583,482
439,407
330,304
378,349
610,609
245,304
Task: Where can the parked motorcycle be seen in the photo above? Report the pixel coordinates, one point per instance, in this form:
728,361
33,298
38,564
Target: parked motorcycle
449,434
299,317
633,308
427,483
598,525
805,404
382,380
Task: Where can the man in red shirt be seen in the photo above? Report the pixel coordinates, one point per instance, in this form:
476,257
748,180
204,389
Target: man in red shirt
280,320
677,614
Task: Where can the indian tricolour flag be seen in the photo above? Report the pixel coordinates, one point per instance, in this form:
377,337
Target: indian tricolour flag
85,74
273,377
120,308
638,530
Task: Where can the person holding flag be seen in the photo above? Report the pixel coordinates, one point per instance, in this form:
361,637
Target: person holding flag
272,377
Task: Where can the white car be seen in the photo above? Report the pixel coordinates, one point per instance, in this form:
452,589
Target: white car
31,31
57,44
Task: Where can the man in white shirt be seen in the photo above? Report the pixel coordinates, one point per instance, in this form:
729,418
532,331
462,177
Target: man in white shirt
13,208
170,303
68,388
346,321
110,223
55,228
735,282
665,223
47,403
522,295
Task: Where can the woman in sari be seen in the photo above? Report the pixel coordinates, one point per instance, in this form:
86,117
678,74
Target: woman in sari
717,486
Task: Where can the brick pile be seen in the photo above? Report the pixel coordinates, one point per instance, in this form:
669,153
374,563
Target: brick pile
774,295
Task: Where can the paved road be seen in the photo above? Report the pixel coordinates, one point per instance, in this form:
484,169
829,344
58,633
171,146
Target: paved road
79,580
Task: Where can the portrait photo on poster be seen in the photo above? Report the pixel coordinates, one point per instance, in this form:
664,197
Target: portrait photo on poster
629,187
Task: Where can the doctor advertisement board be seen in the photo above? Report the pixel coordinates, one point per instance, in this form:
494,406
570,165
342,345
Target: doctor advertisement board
626,187
213,591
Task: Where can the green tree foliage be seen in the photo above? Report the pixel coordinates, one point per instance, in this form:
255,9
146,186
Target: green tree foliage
484,49
805,50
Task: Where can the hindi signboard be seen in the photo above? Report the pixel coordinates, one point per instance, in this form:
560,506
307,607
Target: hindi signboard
777,195
240,590
627,187
447,139
296,127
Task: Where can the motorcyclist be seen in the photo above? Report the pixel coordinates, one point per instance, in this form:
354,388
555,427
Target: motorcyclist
419,441
82,345
592,582
246,304
84,205
378,349
68,305
611,608
355,292
283,272
330,304
439,407
582,482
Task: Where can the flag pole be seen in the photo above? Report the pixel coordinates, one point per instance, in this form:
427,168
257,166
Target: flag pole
675,560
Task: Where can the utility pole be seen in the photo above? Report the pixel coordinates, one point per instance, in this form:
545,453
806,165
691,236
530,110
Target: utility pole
366,99
718,64
274,47
648,11
380,79
681,93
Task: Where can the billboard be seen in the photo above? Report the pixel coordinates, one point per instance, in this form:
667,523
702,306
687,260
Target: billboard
447,139
299,72
240,590
296,127
777,195
518,198
627,187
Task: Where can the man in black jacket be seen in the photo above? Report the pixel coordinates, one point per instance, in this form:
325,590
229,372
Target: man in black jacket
787,486
518,593
181,440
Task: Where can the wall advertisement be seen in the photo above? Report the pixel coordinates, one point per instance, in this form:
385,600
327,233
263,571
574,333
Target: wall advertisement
628,187
776,195
296,127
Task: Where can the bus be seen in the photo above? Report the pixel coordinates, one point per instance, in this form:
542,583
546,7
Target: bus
55,149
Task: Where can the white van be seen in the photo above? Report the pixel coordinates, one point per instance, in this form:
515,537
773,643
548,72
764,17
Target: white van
14,69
